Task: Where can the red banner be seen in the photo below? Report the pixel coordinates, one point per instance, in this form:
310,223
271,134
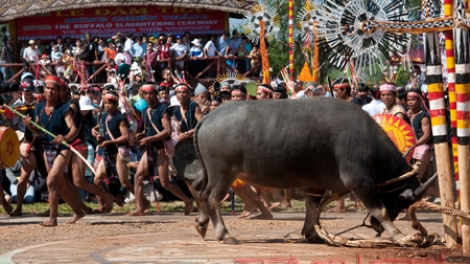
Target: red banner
107,21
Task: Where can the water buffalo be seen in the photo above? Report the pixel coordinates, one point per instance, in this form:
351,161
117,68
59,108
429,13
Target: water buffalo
318,144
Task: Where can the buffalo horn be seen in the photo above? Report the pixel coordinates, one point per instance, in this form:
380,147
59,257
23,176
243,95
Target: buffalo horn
407,152
419,192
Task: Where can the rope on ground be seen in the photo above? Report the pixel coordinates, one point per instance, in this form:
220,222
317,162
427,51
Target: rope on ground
421,239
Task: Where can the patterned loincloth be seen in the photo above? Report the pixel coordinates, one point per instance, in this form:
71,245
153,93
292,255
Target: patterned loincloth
110,165
152,158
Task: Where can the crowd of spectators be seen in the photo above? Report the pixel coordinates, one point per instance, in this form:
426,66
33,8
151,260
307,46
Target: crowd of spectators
146,50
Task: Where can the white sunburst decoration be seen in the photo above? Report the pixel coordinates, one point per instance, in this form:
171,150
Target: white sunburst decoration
342,33
258,13
307,18
233,78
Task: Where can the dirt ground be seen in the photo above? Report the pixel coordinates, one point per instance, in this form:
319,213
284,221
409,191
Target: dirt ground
171,238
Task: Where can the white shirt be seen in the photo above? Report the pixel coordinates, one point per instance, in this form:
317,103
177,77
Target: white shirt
210,49
178,49
128,46
374,107
16,119
30,54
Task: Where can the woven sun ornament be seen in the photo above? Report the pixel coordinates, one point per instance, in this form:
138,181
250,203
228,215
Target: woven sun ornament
258,13
342,36
306,22
233,78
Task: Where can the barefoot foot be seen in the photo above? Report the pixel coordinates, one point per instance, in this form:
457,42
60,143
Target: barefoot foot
7,207
75,218
17,212
244,214
136,213
263,217
108,200
52,221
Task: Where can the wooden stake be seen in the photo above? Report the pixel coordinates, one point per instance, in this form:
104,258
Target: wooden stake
439,132
462,87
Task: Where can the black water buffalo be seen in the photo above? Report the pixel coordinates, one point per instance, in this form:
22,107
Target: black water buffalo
318,144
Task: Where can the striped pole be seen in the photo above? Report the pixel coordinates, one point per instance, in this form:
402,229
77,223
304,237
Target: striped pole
462,87
316,54
450,63
291,40
439,130
264,53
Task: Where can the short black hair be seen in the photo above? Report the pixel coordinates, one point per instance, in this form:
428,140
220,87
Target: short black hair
14,87
239,87
362,87
375,91
401,93
225,95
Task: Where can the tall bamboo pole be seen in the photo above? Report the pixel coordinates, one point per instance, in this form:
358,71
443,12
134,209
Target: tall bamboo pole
450,63
264,53
439,130
462,87
291,40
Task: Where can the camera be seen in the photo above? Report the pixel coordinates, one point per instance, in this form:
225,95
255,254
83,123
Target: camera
216,86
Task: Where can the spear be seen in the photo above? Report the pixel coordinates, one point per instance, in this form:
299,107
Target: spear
54,136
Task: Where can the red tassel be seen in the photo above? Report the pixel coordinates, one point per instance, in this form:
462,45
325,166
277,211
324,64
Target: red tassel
9,114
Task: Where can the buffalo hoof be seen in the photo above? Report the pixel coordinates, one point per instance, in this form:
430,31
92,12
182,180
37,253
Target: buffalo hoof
201,229
315,239
231,241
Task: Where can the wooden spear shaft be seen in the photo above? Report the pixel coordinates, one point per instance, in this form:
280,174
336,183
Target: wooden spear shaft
462,87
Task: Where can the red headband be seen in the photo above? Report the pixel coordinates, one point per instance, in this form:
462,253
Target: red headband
54,79
181,87
388,87
38,96
341,85
149,87
112,97
413,94
264,89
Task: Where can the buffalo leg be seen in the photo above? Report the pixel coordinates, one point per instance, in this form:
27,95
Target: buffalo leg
202,220
219,184
312,217
368,195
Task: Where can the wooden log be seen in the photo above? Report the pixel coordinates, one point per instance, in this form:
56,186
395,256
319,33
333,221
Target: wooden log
439,131
462,87
16,76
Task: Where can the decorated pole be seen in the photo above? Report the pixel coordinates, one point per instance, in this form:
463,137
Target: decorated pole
316,58
291,40
53,136
450,63
462,87
264,53
439,132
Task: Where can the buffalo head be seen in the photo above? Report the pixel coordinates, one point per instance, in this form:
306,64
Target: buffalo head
399,196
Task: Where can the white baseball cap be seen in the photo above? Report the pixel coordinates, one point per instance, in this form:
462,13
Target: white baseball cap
85,103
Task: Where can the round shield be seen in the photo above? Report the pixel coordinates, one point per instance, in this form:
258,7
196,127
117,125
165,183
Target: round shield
400,132
185,163
9,147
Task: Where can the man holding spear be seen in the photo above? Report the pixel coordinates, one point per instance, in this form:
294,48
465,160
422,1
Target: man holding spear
56,117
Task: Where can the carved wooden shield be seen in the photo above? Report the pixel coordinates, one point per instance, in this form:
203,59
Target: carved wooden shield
399,131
